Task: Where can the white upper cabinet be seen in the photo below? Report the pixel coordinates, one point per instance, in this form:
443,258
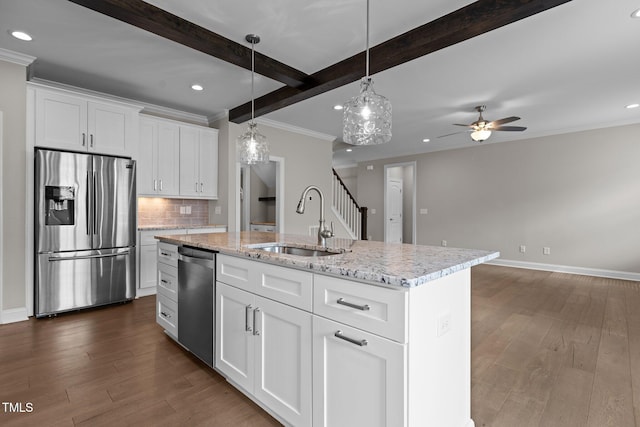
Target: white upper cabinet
73,122
198,162
158,163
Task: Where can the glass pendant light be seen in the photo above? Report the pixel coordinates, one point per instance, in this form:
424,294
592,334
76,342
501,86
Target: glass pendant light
367,117
252,146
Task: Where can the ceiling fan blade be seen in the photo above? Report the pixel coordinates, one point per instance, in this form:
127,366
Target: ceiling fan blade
458,124
449,134
506,120
510,128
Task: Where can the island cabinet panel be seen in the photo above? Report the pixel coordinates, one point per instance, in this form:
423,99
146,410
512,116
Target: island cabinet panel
374,309
359,378
286,285
264,347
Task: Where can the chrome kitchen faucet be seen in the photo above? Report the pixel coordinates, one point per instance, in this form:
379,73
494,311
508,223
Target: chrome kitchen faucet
323,232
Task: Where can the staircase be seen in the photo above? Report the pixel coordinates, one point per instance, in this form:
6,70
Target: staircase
352,216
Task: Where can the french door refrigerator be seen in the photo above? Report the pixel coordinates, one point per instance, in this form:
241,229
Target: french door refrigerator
85,230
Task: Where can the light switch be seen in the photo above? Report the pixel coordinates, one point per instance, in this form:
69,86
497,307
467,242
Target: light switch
424,211
218,210
373,211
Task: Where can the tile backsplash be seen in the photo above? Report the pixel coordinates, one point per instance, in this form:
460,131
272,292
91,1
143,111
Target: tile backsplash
159,211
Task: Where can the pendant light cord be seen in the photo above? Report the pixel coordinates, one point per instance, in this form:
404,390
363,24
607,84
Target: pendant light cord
253,44
367,50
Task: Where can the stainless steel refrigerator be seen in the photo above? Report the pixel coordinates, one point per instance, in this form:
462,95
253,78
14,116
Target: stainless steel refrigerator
85,230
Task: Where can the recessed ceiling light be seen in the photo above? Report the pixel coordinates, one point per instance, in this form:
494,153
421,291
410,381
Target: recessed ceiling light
630,106
197,87
338,107
426,140
636,13
21,35
349,150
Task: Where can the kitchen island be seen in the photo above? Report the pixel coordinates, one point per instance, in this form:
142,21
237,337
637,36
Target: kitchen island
377,334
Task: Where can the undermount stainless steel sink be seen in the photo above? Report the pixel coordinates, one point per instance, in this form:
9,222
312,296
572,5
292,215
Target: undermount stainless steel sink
283,248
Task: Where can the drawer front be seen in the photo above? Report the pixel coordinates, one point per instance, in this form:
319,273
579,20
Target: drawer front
168,280
167,314
168,254
286,285
374,309
292,287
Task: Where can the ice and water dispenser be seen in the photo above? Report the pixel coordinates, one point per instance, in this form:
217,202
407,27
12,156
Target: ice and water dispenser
59,205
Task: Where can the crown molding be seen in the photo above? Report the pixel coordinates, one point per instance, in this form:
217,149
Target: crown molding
16,57
295,129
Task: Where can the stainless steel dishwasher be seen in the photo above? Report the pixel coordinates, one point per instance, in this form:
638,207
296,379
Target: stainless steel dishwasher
196,283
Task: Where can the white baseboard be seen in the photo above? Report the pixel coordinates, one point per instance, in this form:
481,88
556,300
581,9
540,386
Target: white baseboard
14,315
612,274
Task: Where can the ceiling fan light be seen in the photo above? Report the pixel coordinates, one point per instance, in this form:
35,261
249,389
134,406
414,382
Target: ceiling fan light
480,135
367,117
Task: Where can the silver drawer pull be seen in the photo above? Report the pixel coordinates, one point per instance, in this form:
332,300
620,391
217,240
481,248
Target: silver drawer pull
365,307
247,310
165,281
167,315
165,253
361,343
255,314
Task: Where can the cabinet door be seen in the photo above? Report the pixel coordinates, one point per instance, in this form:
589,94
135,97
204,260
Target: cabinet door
189,162
167,170
234,335
110,128
358,383
148,266
61,121
208,164
283,360
148,157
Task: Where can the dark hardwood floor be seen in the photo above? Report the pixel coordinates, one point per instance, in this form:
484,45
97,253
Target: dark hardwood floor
548,349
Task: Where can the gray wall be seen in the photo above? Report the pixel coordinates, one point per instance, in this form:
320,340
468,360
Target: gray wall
577,193
13,104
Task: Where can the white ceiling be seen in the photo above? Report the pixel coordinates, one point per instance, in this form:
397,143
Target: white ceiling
571,68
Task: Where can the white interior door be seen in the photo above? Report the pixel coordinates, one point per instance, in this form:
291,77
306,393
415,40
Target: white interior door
393,216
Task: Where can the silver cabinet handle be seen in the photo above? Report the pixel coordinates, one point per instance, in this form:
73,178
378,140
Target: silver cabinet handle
247,310
91,139
196,187
201,187
155,185
84,139
167,254
160,184
166,282
167,315
255,315
361,343
365,307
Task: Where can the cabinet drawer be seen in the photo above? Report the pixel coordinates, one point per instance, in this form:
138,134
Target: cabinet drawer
374,309
167,254
167,314
286,285
168,281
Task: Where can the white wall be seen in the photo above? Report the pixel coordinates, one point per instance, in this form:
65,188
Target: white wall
577,193
13,100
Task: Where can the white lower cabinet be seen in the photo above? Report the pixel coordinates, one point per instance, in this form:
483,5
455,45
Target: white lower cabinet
265,348
358,377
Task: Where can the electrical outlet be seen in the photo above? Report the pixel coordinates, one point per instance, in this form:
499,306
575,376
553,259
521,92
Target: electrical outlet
444,323
218,210
188,210
444,243
546,250
182,210
523,248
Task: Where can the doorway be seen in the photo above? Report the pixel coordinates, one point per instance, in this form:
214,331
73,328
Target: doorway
260,189
400,202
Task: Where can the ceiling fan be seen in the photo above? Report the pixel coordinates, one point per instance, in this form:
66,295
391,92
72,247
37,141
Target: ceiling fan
481,129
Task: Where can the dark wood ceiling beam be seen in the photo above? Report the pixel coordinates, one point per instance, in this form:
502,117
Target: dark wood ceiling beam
162,23
470,21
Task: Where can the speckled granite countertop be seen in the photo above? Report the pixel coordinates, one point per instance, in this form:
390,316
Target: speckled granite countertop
392,264
177,227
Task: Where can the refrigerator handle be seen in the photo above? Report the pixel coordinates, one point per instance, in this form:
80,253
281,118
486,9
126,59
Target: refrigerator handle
87,204
95,204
